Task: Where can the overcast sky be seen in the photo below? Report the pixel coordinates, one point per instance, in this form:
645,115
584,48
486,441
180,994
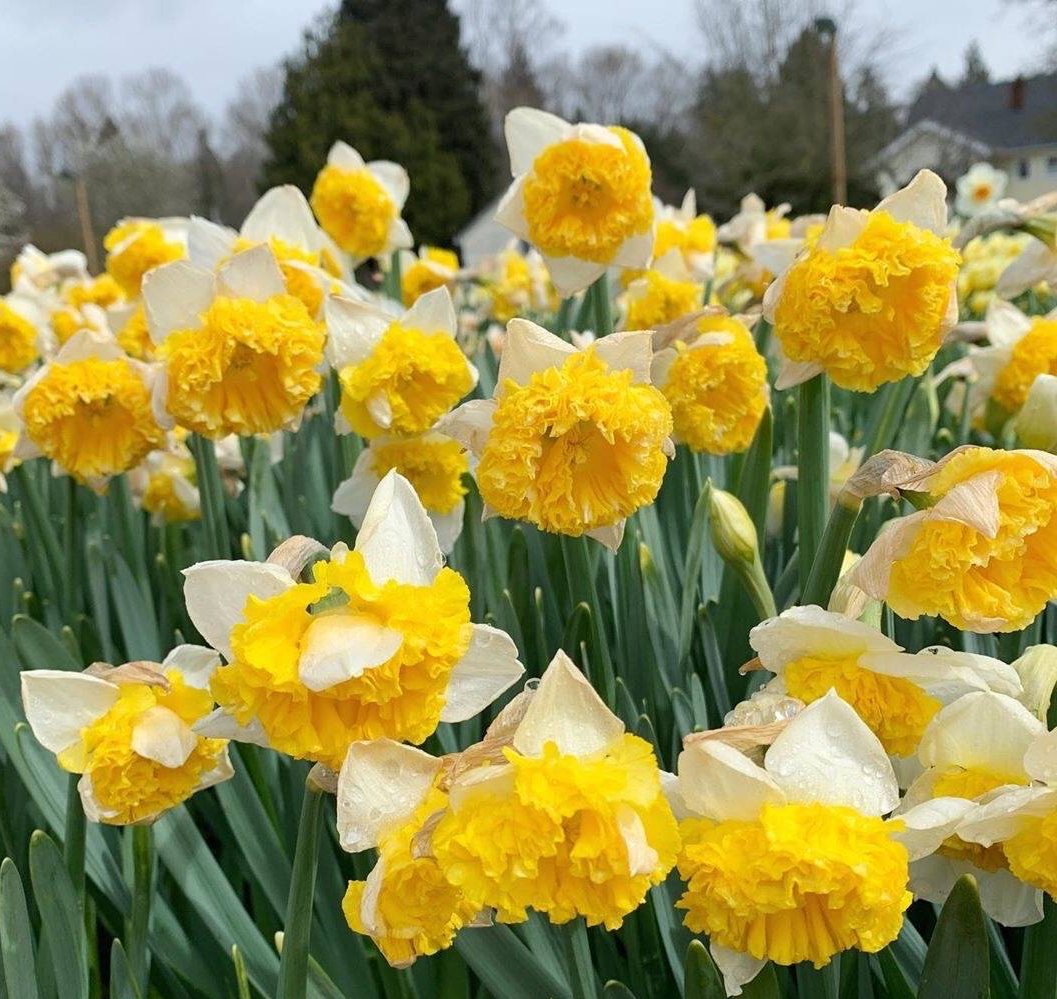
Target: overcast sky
45,44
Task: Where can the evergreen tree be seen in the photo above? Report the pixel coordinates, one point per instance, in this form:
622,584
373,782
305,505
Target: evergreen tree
390,78
975,70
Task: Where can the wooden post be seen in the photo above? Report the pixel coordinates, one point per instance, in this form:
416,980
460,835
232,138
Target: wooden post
836,104
83,213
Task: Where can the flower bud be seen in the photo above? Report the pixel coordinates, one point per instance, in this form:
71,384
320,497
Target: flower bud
1037,669
1044,228
733,532
1036,423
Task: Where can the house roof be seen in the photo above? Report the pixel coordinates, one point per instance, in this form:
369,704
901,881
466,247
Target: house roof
988,112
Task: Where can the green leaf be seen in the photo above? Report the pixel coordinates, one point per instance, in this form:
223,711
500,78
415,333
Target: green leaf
38,648
506,966
1038,964
135,613
692,569
62,921
122,981
674,936
16,935
617,990
763,986
703,980
957,962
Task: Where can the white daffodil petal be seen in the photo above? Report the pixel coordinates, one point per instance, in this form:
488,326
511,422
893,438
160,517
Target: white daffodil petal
175,296
489,666
252,274
380,785
528,132
339,646
344,157
611,535
630,350
842,227
59,704
448,526
721,783
353,330
736,968
567,711
284,213
1005,323
1040,759
218,724
635,252
163,736
923,202
981,730
871,573
973,502
927,825
432,312
571,274
826,754
393,177
216,593
208,243
196,664
529,349
642,858
397,539
1005,815
353,496
510,212
812,631
469,424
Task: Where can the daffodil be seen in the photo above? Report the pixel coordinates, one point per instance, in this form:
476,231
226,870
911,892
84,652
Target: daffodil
434,465
358,204
581,196
792,860
311,264
241,354
981,554
10,431
715,380
979,188
573,441
92,410
128,730
661,294
570,820
872,299
754,223
1035,265
165,486
1036,423
387,792
136,245
35,271
813,651
516,283
974,755
431,268
1021,348
20,340
399,374
378,645
128,323
683,229
984,259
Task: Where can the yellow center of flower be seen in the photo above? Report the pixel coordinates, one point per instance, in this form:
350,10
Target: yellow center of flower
662,300
18,340
103,291
778,226
982,193
972,783
1034,354
135,248
565,836
800,883
873,311
1032,853
400,699
434,466
354,208
248,369
65,322
130,785
421,277
586,199
418,375
162,497
895,710
973,581
418,909
134,337
577,448
93,417
717,391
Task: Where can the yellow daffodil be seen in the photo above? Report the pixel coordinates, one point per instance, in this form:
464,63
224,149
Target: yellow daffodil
92,410
1036,423
979,188
431,268
137,245
896,694
129,325
434,465
573,441
753,223
516,283
358,204
974,755
20,338
378,645
872,299
981,554
715,380
165,487
581,196
792,861
984,259
241,354
10,432
572,820
34,271
682,229
399,374
663,293
129,731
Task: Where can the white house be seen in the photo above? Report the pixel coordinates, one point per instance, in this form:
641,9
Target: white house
1011,124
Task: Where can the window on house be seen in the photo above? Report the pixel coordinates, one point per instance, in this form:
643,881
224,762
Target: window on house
1024,168
1051,164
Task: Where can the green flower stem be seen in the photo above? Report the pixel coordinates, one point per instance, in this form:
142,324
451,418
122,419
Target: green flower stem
603,306
142,889
896,397
751,576
812,490
293,967
563,316
825,569
391,285
580,577
73,837
216,540
578,960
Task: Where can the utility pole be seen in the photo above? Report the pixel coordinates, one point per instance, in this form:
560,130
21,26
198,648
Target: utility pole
827,29
80,189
